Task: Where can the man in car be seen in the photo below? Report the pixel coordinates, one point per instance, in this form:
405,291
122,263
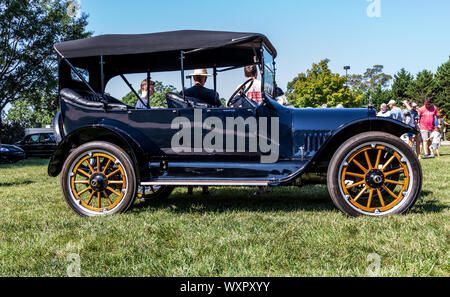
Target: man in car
200,92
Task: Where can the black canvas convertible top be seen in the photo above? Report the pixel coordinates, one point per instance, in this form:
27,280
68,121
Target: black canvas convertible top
155,52
124,44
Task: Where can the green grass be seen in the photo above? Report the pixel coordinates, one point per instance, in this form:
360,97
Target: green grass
291,232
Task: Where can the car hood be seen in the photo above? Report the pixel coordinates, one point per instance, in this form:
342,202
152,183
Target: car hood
326,119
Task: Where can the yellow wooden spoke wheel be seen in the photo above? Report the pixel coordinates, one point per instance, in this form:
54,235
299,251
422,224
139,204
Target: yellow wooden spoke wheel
374,174
98,179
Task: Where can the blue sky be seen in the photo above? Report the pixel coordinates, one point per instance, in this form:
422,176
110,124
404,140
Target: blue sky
414,34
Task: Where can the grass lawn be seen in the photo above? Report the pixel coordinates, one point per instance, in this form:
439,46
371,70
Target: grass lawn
291,232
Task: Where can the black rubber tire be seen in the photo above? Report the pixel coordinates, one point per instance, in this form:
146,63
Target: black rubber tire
161,194
128,167
333,178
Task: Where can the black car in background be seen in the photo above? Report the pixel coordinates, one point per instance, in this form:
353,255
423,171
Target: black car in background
11,153
41,145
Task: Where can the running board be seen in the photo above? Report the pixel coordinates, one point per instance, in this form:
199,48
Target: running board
210,182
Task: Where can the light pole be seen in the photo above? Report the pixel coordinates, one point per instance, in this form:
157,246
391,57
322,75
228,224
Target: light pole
346,68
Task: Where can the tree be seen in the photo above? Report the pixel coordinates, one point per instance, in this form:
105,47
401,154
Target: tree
320,86
422,87
402,81
158,99
379,96
370,80
442,99
28,31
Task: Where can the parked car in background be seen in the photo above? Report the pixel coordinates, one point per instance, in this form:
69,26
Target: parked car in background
11,153
41,145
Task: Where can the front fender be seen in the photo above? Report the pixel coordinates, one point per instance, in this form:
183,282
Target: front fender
341,134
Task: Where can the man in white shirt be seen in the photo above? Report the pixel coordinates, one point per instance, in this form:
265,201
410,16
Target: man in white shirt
384,112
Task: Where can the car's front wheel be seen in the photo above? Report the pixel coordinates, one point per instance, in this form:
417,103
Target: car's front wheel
98,178
374,174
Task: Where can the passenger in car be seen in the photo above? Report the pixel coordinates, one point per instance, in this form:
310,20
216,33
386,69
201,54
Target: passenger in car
143,102
200,92
254,92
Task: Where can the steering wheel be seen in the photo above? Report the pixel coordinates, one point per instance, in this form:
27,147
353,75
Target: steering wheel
242,93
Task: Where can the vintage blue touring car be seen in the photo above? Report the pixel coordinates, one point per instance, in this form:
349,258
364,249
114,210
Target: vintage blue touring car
108,150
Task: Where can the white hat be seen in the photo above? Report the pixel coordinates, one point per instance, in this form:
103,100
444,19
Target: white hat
392,102
383,105
200,72
414,104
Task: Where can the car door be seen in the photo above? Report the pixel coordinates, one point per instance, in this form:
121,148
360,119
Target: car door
152,129
31,145
221,134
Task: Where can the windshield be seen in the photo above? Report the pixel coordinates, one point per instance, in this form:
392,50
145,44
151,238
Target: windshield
269,73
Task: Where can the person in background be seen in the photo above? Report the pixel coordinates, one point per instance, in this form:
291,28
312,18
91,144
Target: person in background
205,191
435,138
396,113
427,114
143,102
339,106
280,97
324,105
407,119
384,112
415,119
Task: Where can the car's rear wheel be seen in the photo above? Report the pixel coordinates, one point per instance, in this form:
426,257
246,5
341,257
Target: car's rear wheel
98,178
374,174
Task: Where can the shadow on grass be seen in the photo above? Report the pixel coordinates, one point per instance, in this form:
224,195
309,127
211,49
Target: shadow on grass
12,184
427,206
235,199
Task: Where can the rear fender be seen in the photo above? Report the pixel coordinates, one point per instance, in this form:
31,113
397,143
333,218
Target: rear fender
97,133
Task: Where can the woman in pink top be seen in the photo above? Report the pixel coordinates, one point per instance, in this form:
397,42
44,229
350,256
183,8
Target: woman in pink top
427,113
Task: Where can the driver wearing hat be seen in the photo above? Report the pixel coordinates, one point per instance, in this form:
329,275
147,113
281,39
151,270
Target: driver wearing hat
200,92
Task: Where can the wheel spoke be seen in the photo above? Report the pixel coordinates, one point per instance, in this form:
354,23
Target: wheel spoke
394,182
98,163
114,191
368,160
99,200
355,174
387,163
360,193
107,198
84,191
378,159
90,197
355,184
115,182
112,173
359,165
389,191
393,171
89,165
380,197
81,181
107,165
370,198
83,172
